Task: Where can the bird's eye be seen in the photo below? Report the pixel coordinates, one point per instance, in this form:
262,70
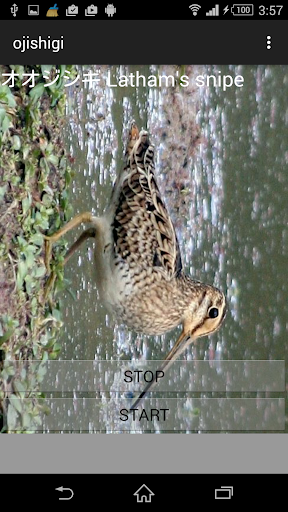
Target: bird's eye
213,312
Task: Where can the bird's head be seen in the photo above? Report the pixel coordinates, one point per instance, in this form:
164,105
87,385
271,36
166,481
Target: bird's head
204,315
205,312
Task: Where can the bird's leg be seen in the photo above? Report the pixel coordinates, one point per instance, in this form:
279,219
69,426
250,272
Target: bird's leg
88,233
73,223
49,240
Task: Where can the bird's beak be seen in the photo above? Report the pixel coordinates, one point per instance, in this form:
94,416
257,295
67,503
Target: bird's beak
181,344
183,341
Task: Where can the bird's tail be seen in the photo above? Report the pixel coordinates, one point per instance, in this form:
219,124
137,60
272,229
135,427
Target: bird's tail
132,138
139,161
139,151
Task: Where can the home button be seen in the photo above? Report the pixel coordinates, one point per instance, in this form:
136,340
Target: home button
144,494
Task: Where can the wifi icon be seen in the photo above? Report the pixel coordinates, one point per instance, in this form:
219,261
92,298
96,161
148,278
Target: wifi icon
194,8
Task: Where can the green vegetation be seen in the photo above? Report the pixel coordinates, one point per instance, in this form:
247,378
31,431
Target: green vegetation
34,176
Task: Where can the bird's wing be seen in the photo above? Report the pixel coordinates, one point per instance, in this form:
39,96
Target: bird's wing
143,232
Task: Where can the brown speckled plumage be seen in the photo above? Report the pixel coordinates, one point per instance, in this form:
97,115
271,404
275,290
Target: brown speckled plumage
137,258
151,292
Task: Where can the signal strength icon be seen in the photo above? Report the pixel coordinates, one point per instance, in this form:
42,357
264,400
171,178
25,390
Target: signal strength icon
214,11
194,8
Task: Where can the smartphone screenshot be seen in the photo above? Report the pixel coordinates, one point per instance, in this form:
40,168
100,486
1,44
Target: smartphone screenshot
143,251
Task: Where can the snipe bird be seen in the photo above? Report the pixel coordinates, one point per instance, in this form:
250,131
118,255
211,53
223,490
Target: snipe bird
138,264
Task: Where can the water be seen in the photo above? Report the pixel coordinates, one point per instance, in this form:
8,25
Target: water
222,166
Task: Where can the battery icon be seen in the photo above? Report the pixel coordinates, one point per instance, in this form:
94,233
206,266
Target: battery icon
225,493
242,9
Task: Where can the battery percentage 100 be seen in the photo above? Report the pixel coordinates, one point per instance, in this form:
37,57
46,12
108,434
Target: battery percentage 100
242,9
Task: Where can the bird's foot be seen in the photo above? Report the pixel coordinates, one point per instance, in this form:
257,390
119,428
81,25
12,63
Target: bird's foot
49,286
48,253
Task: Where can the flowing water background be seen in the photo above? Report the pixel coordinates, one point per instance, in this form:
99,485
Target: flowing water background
221,163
